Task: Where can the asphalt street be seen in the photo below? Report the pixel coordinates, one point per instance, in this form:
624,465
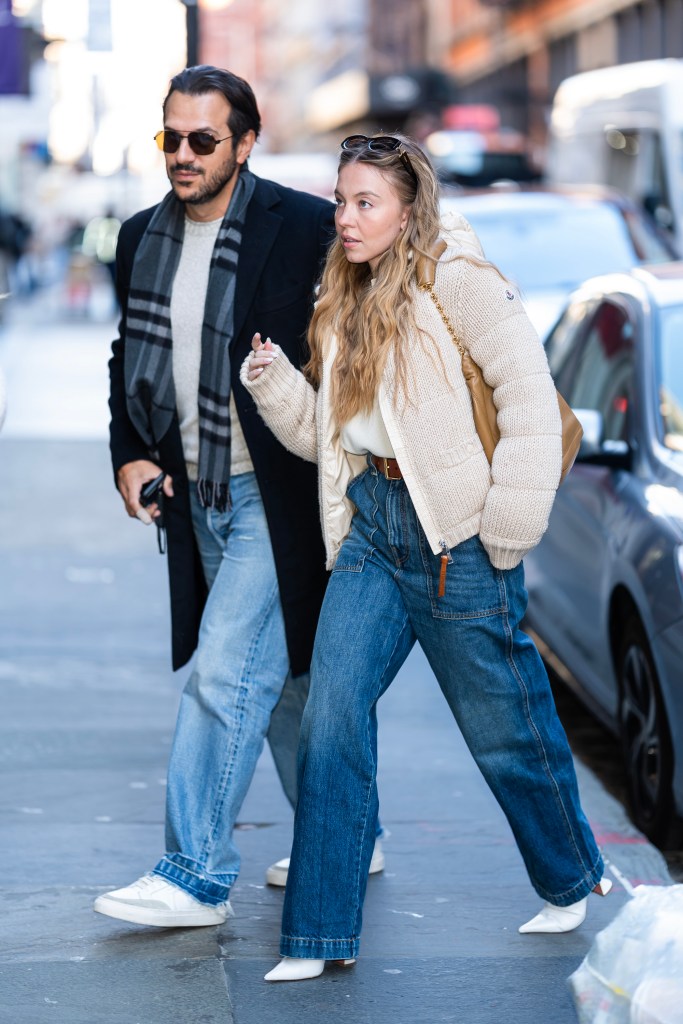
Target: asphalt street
88,708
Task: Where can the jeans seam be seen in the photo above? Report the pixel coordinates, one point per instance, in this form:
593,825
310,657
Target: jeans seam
486,613
172,872
182,867
588,875
405,528
378,693
373,517
216,534
532,725
400,557
240,703
359,565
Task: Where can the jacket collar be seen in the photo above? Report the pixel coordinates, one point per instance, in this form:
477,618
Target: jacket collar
262,225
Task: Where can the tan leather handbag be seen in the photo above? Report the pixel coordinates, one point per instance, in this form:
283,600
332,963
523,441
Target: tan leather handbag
483,408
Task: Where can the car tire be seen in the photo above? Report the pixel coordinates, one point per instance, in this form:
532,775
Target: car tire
645,740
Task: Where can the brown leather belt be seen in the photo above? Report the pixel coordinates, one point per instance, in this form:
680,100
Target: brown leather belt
388,467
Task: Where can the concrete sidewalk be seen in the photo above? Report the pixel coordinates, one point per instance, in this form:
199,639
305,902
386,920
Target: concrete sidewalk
89,705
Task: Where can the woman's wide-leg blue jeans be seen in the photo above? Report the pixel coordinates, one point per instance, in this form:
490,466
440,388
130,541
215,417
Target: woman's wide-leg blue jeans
381,598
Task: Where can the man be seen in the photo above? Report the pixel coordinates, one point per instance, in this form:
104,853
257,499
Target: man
224,255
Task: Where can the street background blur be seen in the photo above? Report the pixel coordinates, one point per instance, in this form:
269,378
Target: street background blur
89,698
81,85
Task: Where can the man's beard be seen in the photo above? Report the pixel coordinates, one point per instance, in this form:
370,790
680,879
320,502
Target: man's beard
210,187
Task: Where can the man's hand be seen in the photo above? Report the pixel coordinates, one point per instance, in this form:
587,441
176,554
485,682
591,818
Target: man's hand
130,480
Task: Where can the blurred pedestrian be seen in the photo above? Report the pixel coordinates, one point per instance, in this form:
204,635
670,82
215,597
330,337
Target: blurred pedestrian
425,540
15,235
99,242
223,253
6,256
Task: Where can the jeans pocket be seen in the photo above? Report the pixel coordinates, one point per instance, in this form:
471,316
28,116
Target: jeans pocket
358,543
352,553
352,487
474,588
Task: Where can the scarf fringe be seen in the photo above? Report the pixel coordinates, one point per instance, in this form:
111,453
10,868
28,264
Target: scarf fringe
214,495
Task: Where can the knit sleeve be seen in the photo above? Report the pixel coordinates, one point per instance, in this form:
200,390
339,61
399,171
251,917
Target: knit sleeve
286,403
527,461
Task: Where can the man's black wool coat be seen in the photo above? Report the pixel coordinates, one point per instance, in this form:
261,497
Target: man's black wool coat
284,242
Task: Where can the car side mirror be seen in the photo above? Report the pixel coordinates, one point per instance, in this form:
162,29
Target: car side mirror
592,424
594,450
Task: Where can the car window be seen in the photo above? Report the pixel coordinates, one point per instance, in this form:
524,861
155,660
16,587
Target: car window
636,166
648,245
563,343
670,377
602,374
554,249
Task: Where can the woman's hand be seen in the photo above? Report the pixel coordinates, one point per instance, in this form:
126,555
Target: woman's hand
261,357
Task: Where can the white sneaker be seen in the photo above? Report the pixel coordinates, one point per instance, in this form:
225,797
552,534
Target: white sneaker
152,900
277,873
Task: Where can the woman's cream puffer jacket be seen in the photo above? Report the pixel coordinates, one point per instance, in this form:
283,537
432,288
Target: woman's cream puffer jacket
455,492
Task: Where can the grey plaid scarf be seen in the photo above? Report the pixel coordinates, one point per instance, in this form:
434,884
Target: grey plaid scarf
148,370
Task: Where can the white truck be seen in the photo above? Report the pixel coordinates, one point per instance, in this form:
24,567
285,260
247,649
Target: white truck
623,126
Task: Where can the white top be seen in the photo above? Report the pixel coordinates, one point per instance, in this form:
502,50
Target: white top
188,299
365,432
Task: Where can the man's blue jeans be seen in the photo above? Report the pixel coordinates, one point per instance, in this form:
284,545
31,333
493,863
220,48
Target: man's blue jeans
381,598
225,710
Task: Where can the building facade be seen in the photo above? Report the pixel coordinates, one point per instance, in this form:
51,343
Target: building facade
514,53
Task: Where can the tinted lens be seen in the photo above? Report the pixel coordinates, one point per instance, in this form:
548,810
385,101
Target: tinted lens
201,143
167,142
384,144
354,142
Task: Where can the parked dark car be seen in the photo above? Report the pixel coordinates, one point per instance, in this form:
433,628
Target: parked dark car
549,240
606,582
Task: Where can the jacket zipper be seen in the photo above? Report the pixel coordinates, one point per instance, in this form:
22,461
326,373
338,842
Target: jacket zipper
445,562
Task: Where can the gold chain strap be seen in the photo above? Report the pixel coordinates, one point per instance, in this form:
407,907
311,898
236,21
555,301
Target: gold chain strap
429,287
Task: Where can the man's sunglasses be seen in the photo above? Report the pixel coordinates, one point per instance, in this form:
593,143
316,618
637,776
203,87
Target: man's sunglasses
381,144
201,143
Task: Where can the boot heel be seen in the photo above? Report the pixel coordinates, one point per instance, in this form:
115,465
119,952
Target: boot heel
564,919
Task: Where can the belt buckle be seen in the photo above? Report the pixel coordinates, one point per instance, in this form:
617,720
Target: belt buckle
387,469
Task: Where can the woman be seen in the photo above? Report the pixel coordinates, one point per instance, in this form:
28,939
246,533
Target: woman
425,541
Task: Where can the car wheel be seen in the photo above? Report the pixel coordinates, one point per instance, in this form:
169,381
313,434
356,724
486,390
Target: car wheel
646,743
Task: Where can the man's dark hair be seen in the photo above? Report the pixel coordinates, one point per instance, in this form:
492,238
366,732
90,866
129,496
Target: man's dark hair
203,78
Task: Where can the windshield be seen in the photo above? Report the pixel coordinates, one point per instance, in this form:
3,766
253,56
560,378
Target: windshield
670,376
554,249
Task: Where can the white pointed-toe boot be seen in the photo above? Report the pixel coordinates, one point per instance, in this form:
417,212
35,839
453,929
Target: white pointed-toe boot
554,920
294,968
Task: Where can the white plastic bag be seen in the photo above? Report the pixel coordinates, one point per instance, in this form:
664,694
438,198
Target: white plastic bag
633,972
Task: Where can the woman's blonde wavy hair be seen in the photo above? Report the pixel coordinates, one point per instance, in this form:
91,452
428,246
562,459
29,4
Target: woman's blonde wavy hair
369,321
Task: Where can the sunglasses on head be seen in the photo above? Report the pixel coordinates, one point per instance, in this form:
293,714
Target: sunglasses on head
201,143
381,144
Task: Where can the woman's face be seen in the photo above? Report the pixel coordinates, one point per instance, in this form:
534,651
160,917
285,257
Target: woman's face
369,216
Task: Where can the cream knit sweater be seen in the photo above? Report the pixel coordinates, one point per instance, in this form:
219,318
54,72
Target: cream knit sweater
455,492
